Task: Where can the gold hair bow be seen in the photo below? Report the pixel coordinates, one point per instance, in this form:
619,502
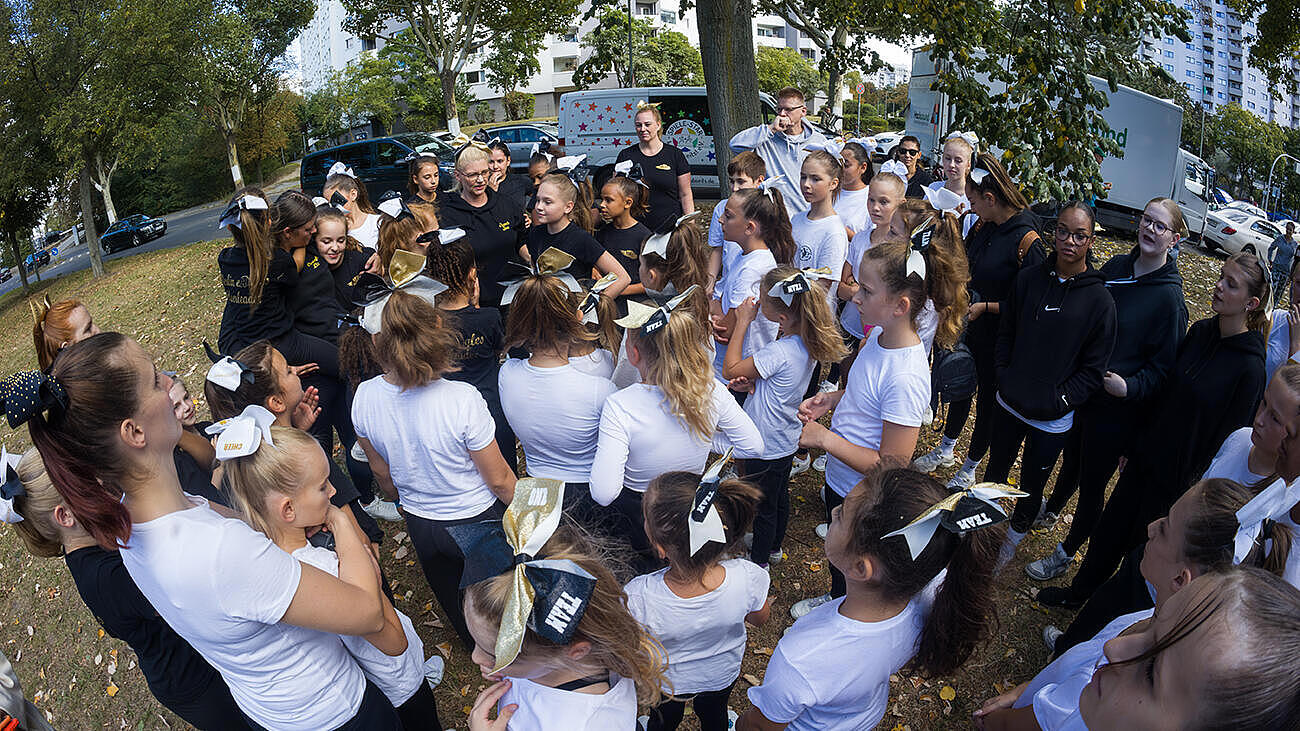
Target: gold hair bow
553,261
962,511
650,320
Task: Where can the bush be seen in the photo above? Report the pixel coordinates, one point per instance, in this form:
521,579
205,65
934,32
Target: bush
483,113
519,105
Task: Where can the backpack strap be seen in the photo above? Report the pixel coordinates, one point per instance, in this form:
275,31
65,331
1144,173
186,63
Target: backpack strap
1026,242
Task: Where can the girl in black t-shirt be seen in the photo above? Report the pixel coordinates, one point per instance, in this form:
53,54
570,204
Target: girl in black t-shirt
344,255
514,187
423,182
619,205
563,224
664,169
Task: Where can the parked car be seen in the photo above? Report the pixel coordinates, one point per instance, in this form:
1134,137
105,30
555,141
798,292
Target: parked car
380,163
37,259
1246,207
520,138
6,274
885,144
130,232
1233,230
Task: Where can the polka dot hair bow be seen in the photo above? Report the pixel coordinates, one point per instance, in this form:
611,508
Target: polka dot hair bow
11,488
28,393
548,596
543,148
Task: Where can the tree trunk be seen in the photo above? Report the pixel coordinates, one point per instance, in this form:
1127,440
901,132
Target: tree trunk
727,52
106,190
232,158
18,259
448,80
88,218
835,89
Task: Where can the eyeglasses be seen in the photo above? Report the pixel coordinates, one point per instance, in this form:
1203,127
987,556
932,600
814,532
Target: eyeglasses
1157,227
787,110
908,151
475,176
1078,237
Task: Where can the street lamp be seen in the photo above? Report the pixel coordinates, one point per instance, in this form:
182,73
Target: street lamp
1269,188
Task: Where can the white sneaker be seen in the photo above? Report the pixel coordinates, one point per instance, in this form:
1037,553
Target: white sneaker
358,453
819,464
821,530
748,538
928,419
933,460
1050,635
381,509
805,606
800,464
433,669
1054,565
963,480
732,717
1008,550
776,557
827,387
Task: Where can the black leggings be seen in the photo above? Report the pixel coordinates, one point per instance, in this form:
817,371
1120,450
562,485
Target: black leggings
833,500
1100,437
986,406
627,522
1139,497
376,713
443,563
1122,593
420,712
300,349
214,708
1041,450
772,476
710,709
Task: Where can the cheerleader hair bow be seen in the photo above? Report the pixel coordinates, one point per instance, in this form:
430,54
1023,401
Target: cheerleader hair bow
441,236
918,243
373,293
225,371
769,185
836,146
643,104
969,138
28,393
632,171
341,168
548,596
658,244
574,166
479,139
417,155
704,523
245,202
894,167
338,202
394,206
588,307
240,436
543,148
650,320
977,175
959,513
1252,518
942,199
799,282
12,488
551,262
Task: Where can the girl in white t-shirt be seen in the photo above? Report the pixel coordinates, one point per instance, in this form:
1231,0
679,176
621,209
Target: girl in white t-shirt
779,374
756,220
949,194
103,422
665,422
580,662
880,410
698,606
819,235
431,442
917,597
282,490
884,195
856,172
553,406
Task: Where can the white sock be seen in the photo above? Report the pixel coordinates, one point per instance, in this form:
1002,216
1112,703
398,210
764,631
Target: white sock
1008,551
946,445
969,465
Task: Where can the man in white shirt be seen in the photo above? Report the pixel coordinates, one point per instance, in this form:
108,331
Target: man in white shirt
783,145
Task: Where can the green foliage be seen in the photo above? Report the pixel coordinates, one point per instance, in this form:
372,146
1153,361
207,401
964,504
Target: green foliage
483,113
608,44
1276,39
671,60
519,105
1249,143
781,67
367,90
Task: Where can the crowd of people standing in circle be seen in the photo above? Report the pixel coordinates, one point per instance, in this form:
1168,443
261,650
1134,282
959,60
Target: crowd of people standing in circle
585,404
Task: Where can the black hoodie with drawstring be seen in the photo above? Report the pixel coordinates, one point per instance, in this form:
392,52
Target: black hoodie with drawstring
1054,339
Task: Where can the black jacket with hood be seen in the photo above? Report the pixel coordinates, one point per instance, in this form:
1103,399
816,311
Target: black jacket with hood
993,254
1054,340
495,231
1151,319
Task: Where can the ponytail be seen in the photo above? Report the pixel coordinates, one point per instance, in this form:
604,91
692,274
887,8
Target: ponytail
766,208
1211,529
224,403
253,235
686,265
813,321
676,361
946,270
667,507
51,328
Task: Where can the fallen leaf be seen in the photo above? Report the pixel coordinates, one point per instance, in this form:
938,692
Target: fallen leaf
401,552
767,651
99,659
111,690
101,633
399,537
752,679
464,691
947,693
444,648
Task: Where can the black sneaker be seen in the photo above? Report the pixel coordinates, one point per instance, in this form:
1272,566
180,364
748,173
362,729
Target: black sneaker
1059,596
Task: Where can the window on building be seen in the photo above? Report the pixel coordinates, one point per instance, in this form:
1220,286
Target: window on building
645,9
1168,67
367,44
1190,47
808,53
472,77
565,63
1250,105
668,16
1193,59
1169,54
1218,13
768,31
1223,54
1169,41
1221,95
1252,77
1191,74
570,35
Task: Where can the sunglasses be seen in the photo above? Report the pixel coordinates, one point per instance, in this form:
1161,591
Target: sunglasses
908,151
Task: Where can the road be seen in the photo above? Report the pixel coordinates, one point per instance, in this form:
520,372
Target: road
183,227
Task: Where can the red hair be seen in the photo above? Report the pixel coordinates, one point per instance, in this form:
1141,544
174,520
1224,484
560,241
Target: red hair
51,328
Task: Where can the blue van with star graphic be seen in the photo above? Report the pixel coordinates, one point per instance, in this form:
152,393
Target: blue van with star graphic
599,122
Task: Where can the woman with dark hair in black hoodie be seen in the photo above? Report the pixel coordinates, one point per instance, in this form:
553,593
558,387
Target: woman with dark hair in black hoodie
1151,318
1216,382
1054,338
1001,243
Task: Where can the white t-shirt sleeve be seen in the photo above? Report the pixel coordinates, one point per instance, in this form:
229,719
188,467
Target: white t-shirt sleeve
735,428
785,693
359,411
264,586
480,429
834,249
715,224
771,359
757,586
612,448
906,401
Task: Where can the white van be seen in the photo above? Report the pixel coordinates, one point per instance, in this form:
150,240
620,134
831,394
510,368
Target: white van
599,122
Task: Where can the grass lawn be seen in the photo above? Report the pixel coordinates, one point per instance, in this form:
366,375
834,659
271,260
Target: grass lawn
170,301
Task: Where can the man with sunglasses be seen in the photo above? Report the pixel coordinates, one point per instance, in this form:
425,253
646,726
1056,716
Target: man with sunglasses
908,152
783,146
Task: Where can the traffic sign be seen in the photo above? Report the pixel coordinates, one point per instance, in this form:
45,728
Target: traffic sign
54,251
860,88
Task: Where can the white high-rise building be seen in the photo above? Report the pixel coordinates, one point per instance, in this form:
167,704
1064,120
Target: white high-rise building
1215,64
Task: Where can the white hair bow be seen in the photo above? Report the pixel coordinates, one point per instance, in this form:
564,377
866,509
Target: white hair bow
703,522
245,202
800,281
569,162
769,185
978,175
394,207
632,171
962,511
969,138
893,167
12,488
341,168
241,435
1271,503
942,199
226,372
448,235
543,151
588,307
920,241
658,244
836,146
